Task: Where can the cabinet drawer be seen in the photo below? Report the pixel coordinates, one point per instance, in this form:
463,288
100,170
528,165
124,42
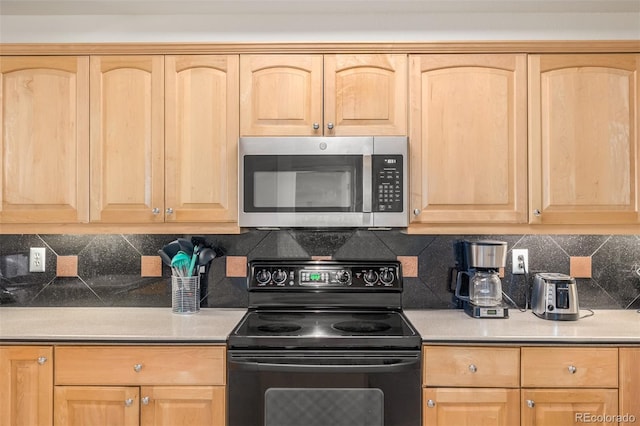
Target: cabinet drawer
570,367
471,366
140,365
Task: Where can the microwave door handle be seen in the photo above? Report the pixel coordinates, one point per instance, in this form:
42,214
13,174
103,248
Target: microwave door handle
366,183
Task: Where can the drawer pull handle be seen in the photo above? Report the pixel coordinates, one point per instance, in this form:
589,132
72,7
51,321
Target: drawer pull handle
473,368
316,126
128,402
572,369
137,368
42,360
530,403
145,400
431,403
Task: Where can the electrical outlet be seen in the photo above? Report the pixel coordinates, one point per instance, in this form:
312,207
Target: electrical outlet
37,259
517,268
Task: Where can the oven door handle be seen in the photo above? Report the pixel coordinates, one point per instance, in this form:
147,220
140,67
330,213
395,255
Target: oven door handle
309,367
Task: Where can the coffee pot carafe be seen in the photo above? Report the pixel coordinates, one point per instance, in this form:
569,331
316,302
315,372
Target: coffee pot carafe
478,287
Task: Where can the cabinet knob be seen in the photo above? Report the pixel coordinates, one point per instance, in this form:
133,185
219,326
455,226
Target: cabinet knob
431,403
537,212
473,368
137,368
128,402
169,210
316,126
145,400
572,369
155,210
530,403
42,360
329,125
416,212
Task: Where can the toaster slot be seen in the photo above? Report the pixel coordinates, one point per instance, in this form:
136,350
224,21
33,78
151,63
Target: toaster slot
562,296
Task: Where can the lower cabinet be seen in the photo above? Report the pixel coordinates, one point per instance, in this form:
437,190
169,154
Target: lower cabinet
470,386
629,384
530,385
140,385
471,406
569,385
26,385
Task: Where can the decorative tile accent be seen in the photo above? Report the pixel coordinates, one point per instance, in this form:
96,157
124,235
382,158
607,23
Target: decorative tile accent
409,266
321,258
67,266
150,266
236,266
580,266
501,272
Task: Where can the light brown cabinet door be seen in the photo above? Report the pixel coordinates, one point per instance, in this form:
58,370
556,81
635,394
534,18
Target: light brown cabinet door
127,139
584,138
470,407
630,382
568,407
183,406
281,95
201,121
97,405
365,95
26,385
45,139
468,138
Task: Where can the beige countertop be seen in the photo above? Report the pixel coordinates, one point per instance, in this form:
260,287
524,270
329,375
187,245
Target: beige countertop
210,325
117,325
454,326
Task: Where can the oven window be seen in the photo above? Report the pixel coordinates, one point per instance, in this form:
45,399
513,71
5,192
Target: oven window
324,406
303,183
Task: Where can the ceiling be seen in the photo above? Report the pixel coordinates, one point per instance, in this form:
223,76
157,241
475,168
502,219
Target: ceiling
239,7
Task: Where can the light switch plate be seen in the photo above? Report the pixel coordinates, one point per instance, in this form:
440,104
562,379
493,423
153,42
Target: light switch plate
37,260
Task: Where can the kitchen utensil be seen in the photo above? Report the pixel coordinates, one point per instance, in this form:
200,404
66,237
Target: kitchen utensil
185,294
165,257
172,248
555,297
186,245
194,258
180,264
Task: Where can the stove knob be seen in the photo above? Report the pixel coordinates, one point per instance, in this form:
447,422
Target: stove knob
370,277
386,276
263,276
343,276
279,276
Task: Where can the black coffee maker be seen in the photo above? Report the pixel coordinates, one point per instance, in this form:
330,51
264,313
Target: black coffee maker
474,280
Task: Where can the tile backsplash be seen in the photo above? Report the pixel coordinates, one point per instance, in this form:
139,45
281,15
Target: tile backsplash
113,270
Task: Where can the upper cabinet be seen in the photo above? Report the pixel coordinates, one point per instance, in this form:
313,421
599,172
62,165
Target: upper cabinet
201,138
584,151
316,95
163,138
468,138
127,139
44,119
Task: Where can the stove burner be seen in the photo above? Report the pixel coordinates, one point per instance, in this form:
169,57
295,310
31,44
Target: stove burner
361,326
278,328
288,316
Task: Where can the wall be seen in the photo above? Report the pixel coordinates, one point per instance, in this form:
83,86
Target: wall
109,266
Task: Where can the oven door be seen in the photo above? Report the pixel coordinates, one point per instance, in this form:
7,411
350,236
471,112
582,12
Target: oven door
315,182
337,388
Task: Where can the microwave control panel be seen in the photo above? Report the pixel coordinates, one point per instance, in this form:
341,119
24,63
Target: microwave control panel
387,183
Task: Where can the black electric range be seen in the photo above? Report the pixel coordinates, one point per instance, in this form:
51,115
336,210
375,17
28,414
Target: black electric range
324,304
324,343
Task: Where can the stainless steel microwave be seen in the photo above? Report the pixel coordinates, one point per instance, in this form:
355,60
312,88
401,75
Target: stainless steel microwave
323,181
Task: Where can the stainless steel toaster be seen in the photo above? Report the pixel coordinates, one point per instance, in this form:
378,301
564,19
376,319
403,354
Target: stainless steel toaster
555,297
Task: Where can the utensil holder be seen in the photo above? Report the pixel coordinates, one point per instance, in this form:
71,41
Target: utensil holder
185,294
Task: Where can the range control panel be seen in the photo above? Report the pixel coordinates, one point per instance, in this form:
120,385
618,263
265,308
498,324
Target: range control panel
315,275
